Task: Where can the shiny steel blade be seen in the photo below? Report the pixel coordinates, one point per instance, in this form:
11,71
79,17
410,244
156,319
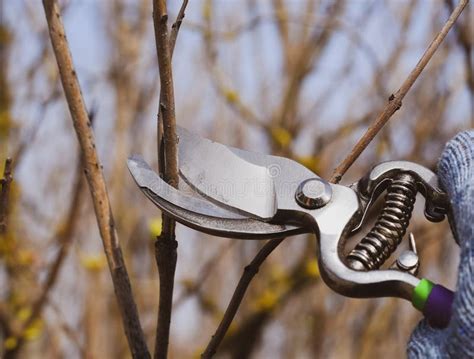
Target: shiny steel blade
148,179
218,172
199,213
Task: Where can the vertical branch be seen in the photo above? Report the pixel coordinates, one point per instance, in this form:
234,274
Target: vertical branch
5,91
166,244
166,106
96,181
172,42
395,101
5,194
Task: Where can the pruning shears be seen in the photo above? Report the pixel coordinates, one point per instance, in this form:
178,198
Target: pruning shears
229,192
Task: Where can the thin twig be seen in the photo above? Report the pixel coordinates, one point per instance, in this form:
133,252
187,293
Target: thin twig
5,183
249,272
246,336
63,237
5,194
70,332
227,92
96,181
395,101
464,36
177,25
166,244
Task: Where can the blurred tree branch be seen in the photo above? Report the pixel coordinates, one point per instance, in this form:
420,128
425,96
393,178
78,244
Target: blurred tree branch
244,340
194,286
395,101
299,64
5,194
63,237
5,182
96,181
229,94
166,244
464,34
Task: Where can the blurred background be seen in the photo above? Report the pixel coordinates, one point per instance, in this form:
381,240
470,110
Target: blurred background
301,79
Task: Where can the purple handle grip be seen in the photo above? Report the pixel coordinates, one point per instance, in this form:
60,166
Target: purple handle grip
438,307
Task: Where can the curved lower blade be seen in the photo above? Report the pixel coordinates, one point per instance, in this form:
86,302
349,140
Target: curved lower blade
199,213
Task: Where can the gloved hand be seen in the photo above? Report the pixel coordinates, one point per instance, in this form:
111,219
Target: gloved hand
456,173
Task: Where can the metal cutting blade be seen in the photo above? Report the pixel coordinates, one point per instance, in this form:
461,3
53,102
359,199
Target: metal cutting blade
218,172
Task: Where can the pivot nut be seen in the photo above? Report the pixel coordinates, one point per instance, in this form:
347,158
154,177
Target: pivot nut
313,193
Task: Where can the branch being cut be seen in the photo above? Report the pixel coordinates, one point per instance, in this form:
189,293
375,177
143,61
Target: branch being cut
96,181
395,101
166,244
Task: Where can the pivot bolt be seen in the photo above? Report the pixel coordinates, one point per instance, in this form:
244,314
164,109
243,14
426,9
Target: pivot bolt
313,193
408,261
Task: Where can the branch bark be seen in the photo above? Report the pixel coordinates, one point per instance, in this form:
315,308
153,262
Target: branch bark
5,194
395,101
166,244
96,182
176,26
5,183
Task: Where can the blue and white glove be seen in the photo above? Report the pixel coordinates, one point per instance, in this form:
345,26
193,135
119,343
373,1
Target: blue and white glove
456,173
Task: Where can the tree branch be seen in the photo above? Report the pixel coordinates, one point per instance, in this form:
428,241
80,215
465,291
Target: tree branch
63,237
249,272
5,194
96,182
177,25
166,244
5,183
464,36
395,101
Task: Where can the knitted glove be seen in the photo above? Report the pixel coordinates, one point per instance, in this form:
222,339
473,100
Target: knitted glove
456,173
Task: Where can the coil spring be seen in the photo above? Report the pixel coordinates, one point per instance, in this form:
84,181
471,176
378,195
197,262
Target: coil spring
382,240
